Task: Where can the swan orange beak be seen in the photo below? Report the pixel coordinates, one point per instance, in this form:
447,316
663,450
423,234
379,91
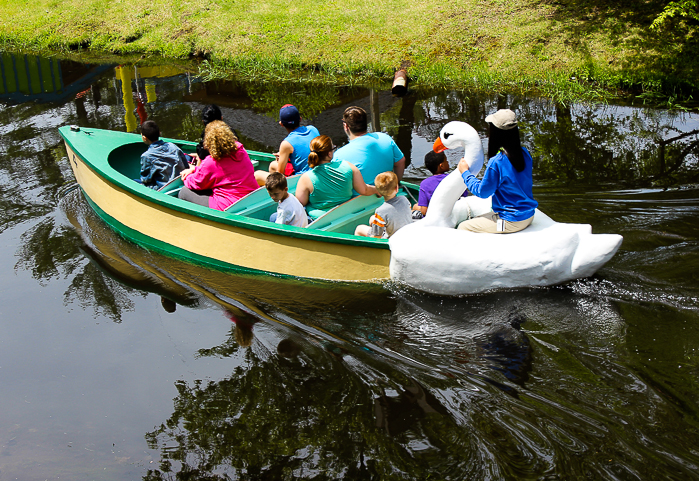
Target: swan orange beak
438,146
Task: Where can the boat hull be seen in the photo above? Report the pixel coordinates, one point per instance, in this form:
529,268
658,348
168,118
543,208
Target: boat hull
220,240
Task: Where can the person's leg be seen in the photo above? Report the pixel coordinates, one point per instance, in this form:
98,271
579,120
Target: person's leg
487,223
261,177
511,227
362,230
200,197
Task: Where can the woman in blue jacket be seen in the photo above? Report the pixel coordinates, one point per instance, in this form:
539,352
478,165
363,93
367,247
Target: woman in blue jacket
508,178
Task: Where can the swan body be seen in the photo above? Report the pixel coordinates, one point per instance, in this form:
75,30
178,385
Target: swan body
432,256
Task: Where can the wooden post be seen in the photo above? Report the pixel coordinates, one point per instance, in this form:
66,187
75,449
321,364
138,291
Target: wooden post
375,113
400,83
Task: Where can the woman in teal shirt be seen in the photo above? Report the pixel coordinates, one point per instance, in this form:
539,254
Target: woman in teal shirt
329,183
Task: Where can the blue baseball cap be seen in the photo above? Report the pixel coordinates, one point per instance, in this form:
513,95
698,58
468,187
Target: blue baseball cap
289,115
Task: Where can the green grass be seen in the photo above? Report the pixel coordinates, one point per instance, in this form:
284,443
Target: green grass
567,49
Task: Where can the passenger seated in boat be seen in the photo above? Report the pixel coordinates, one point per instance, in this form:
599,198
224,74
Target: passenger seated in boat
289,209
390,216
371,152
162,161
209,114
292,157
224,176
508,178
437,163
329,182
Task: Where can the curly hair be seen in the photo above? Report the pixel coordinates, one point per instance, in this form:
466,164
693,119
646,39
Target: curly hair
219,139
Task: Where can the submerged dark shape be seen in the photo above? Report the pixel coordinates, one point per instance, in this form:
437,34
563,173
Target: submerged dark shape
509,350
397,414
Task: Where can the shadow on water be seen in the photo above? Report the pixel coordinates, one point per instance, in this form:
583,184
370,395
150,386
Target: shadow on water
594,378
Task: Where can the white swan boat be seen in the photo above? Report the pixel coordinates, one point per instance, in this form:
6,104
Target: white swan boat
432,256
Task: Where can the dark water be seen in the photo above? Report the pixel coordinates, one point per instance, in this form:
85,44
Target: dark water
118,363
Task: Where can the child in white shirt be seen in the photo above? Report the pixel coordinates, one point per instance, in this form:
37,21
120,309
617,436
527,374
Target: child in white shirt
289,209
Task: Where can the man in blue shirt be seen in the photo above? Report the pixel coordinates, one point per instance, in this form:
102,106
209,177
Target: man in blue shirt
292,157
372,153
163,161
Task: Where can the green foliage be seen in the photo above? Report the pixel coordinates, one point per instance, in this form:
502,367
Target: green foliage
684,8
568,51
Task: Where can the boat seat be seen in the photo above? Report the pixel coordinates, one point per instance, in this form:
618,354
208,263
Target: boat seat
258,204
126,159
345,217
261,160
173,187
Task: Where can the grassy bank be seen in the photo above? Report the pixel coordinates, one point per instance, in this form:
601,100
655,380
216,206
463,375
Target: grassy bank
564,49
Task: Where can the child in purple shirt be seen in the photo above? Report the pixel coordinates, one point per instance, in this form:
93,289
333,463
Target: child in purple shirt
438,164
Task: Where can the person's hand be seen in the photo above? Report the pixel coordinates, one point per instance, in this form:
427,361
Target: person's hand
463,165
276,156
195,159
186,172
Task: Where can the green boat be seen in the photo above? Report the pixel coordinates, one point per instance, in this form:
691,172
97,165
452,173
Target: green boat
241,237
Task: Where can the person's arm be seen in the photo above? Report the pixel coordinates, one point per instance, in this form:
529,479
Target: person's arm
199,178
281,216
423,200
186,172
481,188
304,188
285,151
420,208
358,183
398,168
398,160
182,160
194,159
147,170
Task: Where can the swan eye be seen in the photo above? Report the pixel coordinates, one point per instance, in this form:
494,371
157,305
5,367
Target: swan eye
447,135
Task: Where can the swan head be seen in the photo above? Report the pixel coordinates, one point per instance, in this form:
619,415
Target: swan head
460,134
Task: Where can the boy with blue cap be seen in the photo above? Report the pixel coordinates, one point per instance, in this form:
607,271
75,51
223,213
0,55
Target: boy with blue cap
292,157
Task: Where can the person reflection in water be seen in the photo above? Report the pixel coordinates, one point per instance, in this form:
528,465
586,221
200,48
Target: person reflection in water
288,348
243,328
168,305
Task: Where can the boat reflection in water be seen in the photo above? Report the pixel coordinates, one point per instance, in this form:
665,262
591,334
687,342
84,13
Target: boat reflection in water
330,377
182,283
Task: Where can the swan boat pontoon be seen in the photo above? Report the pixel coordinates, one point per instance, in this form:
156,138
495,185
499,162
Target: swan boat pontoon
429,255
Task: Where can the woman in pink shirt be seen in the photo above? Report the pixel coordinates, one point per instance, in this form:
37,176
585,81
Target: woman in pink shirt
224,176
